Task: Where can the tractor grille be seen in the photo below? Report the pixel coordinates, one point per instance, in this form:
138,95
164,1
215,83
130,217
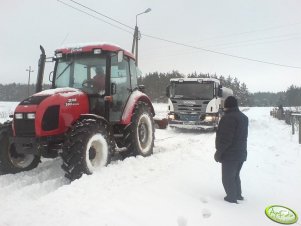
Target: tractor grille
24,127
189,117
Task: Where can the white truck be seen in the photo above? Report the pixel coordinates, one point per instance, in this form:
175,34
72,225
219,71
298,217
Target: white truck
195,103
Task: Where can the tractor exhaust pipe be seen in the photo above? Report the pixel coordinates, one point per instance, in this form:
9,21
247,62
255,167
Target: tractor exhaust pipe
40,75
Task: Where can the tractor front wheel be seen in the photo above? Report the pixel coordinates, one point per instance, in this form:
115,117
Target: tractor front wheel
140,133
10,160
88,147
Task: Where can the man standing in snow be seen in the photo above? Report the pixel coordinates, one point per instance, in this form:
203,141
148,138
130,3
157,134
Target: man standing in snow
231,148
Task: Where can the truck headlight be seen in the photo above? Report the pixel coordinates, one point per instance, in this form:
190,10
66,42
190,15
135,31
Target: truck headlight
171,117
31,115
209,118
19,116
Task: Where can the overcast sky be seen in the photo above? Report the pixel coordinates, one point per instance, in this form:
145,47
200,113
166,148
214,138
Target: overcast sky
263,30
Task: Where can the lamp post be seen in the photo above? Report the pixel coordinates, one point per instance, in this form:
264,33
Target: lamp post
29,71
136,36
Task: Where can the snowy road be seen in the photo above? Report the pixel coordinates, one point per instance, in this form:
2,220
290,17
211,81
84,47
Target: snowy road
179,185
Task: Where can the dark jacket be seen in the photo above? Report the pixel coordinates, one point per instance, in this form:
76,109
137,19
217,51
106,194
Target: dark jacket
231,136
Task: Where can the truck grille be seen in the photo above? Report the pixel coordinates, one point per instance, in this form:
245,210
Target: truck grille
24,127
194,107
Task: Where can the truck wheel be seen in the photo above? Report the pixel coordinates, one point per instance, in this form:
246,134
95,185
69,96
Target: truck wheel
140,133
10,160
88,147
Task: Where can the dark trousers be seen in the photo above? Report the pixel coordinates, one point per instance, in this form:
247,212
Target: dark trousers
231,179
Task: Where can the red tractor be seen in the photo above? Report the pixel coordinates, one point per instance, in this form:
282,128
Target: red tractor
94,110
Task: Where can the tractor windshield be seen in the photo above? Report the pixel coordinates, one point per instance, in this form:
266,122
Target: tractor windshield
82,72
189,90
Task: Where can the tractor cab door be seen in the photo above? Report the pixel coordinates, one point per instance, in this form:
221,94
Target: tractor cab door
120,80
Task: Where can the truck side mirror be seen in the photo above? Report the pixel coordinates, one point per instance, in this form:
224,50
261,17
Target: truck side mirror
220,91
167,91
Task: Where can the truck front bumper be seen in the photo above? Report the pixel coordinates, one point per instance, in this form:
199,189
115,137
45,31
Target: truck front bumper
194,125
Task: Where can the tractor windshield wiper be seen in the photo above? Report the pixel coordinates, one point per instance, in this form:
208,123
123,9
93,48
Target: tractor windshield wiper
64,70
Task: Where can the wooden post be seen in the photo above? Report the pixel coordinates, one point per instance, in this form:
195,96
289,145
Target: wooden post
299,129
293,124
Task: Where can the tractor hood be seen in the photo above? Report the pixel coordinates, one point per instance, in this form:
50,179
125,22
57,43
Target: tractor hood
50,112
66,92
37,98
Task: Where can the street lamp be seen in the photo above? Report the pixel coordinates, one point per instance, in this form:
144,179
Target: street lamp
146,11
136,36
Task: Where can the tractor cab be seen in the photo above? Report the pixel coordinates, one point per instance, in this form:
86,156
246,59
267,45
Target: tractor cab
106,73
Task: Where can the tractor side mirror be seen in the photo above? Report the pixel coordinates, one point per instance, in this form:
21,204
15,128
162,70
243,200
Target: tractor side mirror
220,91
120,56
141,88
113,88
51,76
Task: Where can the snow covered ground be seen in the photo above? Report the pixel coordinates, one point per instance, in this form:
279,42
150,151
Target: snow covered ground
180,184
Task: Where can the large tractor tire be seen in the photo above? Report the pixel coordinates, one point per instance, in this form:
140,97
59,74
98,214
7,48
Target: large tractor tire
11,161
88,147
140,134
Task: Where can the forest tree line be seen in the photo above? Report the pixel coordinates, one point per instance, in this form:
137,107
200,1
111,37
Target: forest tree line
155,86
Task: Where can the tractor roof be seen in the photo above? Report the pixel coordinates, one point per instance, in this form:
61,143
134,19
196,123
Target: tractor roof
89,47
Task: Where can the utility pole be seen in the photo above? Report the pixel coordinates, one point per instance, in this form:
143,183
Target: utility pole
137,37
29,71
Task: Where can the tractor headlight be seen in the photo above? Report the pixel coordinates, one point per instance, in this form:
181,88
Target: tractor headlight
31,116
18,116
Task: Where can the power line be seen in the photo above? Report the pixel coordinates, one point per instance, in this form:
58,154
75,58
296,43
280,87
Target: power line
95,17
245,43
250,32
110,18
262,40
220,53
170,41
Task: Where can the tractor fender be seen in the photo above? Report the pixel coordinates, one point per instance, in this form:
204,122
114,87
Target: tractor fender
133,100
93,116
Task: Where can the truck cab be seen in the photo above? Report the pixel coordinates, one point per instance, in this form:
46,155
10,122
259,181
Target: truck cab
195,103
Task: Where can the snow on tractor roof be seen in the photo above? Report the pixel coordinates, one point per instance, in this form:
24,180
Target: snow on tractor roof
66,91
89,47
194,80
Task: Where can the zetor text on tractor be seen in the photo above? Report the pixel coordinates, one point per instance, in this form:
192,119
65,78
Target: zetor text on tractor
94,110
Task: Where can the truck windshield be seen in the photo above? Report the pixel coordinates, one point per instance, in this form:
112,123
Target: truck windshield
79,71
203,91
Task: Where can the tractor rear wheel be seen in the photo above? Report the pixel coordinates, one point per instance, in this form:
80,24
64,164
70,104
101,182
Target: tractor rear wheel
88,147
10,160
140,134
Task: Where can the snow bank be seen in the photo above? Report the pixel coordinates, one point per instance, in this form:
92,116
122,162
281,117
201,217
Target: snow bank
180,184
7,109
